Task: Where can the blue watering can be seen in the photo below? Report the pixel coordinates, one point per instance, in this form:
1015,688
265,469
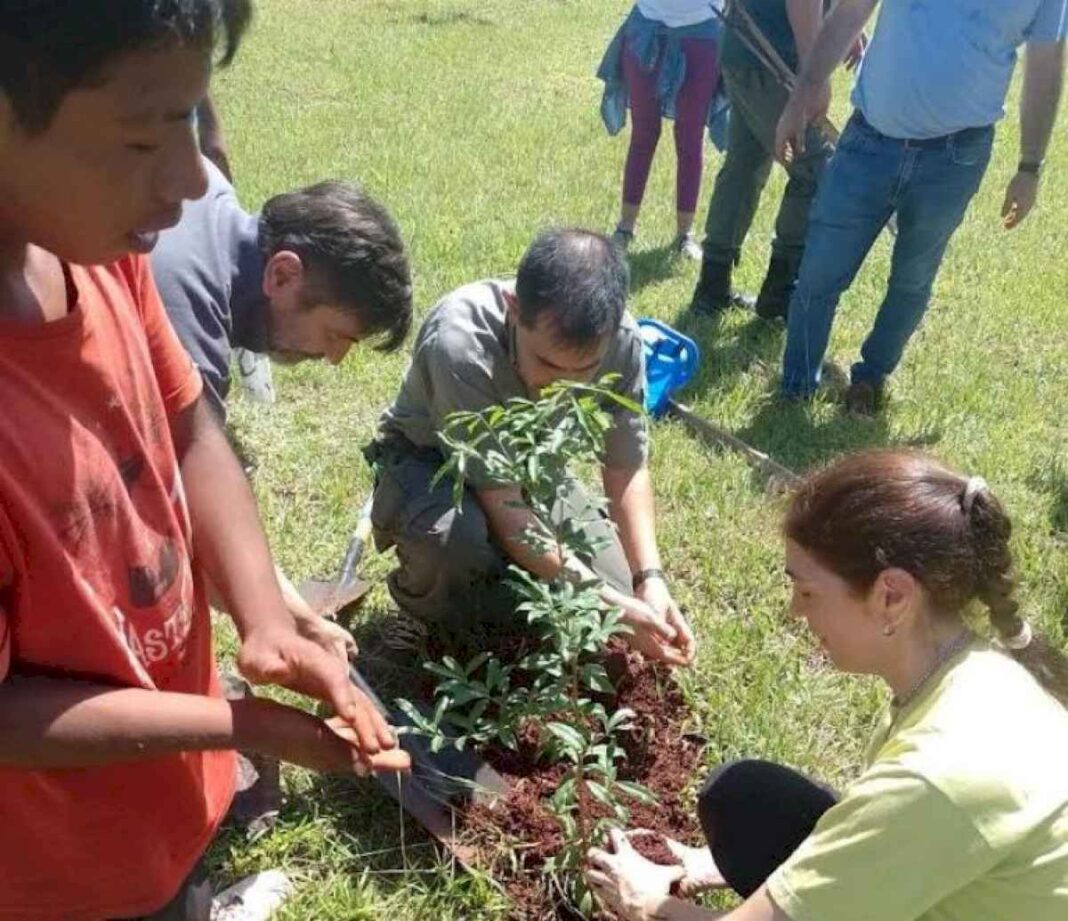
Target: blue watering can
670,361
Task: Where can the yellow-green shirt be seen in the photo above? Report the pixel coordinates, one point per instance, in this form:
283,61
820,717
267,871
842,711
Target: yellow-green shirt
961,815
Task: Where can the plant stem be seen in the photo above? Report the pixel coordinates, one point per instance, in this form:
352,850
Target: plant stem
581,793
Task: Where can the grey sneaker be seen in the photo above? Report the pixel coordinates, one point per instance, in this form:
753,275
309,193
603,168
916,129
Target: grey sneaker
255,898
254,373
687,247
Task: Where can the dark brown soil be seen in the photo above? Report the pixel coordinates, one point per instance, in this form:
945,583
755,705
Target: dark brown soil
652,847
518,833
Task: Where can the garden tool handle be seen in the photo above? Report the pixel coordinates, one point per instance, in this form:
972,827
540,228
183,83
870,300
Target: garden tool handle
357,544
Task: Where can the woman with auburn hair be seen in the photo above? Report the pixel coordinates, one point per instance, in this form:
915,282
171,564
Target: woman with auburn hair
962,810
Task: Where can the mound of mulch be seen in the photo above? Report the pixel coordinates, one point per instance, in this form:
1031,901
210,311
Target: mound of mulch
517,833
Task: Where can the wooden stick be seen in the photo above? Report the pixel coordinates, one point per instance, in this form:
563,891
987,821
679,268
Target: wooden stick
757,42
721,438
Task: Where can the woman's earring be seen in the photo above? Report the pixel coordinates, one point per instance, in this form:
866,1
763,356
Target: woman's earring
888,630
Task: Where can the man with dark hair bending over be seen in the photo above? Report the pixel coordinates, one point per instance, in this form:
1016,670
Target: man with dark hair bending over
318,269
562,318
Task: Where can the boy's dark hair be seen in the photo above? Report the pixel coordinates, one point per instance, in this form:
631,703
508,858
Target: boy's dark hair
580,278
353,253
50,47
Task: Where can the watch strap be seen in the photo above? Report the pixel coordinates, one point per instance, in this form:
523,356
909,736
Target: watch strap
644,575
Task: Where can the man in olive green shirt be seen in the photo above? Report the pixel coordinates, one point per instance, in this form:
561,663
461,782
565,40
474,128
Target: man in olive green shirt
562,318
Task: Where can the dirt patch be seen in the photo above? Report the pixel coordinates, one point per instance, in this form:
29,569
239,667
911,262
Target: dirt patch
518,833
652,846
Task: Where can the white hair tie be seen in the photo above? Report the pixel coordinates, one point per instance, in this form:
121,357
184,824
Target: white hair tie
1020,640
973,488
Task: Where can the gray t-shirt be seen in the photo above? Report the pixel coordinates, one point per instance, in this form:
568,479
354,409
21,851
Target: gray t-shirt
464,359
209,271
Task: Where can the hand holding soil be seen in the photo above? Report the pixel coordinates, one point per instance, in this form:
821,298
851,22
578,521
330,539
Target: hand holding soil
655,593
654,636
701,872
627,883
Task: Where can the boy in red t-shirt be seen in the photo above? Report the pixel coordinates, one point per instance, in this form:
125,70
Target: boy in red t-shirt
119,496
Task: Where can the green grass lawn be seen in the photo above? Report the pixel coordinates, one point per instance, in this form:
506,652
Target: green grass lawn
477,124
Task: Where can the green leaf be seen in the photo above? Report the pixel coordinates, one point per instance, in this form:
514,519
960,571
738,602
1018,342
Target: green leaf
596,678
637,791
564,797
475,664
419,721
600,793
439,711
572,739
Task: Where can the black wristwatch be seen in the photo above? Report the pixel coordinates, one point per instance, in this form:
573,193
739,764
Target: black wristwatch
644,575
1034,167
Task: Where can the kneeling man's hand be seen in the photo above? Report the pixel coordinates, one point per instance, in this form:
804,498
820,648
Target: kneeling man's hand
655,593
656,636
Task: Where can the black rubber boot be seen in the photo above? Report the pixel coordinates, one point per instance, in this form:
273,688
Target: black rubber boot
774,298
713,293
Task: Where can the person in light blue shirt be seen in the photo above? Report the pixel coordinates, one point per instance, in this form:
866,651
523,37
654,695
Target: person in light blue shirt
932,86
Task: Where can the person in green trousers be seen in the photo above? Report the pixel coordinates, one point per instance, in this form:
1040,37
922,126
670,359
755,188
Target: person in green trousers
757,100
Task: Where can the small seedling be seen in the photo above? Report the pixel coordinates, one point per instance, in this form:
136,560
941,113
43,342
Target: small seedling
556,689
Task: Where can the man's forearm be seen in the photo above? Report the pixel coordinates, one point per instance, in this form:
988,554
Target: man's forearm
632,507
511,525
294,601
1043,79
55,723
805,17
840,30
228,539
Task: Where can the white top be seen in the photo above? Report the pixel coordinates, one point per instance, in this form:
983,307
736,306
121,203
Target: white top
677,13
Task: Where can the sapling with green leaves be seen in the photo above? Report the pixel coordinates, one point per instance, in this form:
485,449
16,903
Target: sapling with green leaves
557,687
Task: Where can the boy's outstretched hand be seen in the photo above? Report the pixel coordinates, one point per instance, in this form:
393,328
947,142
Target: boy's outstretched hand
279,655
328,746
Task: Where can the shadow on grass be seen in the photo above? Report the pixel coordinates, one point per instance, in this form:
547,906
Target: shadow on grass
792,434
374,840
651,266
727,353
373,819
452,17
1052,477
797,435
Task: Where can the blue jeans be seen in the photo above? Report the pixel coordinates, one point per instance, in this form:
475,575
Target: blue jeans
868,178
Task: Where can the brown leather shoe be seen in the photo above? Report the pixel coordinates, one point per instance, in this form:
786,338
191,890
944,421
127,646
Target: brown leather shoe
864,399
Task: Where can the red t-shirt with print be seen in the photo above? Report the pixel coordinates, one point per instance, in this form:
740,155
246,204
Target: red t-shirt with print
96,583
